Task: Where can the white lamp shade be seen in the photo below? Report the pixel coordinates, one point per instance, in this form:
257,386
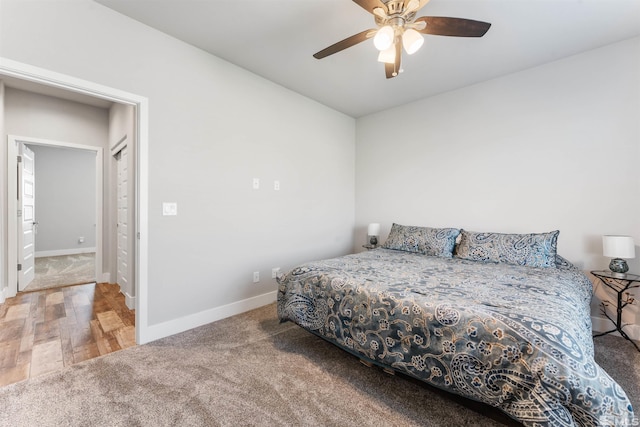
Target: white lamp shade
412,41
388,56
373,229
383,38
618,247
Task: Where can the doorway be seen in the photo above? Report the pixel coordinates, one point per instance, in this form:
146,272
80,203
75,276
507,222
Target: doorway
24,221
65,210
74,87
74,323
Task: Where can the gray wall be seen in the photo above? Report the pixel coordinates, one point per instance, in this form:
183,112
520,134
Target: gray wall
553,147
213,127
65,196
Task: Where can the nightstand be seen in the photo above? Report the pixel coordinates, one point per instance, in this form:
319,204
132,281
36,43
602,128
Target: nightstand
621,283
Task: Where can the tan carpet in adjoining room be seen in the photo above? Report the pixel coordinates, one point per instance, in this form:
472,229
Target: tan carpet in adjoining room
251,370
63,270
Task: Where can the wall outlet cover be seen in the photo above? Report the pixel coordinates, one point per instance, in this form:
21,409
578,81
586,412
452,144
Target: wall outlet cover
169,208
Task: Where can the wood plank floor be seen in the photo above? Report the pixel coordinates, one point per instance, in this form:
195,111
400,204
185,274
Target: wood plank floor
43,331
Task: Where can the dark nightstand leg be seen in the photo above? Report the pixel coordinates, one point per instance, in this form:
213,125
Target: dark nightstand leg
604,333
630,340
617,322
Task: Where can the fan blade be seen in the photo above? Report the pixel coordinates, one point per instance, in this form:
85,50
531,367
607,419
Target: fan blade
388,70
343,44
456,27
392,70
369,5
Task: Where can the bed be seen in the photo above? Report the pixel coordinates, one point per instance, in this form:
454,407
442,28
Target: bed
501,319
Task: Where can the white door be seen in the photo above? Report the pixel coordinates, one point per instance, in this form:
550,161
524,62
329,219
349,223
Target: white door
26,216
122,226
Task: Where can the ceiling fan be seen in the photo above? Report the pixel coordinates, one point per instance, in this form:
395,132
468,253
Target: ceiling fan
398,27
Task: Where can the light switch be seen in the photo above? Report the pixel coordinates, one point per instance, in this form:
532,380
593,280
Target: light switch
169,208
256,183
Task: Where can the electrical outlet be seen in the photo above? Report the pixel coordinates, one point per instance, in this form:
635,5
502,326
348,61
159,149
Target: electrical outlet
274,272
80,239
169,208
256,276
276,185
256,183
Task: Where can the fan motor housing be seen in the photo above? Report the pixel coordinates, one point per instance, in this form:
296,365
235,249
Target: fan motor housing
395,17
395,6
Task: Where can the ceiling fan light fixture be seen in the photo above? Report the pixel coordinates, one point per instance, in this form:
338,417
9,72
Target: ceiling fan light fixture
378,11
388,55
396,24
383,38
412,41
412,6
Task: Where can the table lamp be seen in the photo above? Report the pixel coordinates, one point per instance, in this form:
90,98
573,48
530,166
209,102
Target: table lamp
373,232
617,248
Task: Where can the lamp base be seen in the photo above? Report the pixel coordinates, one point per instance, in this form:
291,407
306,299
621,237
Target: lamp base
373,240
618,265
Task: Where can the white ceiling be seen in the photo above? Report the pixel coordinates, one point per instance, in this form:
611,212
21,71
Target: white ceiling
277,38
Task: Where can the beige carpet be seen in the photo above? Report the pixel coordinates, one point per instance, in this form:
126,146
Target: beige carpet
64,270
250,370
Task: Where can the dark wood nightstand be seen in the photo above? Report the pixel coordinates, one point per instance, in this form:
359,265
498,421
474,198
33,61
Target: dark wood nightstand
621,283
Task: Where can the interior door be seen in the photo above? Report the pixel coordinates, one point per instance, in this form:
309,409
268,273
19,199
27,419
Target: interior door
122,222
26,216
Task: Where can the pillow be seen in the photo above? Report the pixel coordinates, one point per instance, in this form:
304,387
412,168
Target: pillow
533,250
563,264
423,240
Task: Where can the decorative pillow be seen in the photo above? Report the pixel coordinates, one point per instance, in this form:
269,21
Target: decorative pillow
423,240
533,250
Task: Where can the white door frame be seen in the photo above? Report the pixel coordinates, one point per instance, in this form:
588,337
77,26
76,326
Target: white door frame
12,202
28,72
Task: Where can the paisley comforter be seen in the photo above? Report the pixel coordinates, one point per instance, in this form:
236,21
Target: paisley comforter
516,338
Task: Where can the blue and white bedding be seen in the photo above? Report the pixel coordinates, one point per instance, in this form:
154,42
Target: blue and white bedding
514,337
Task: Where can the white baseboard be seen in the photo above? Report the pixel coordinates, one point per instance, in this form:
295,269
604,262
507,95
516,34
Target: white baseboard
60,252
129,301
182,324
602,324
3,294
106,278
